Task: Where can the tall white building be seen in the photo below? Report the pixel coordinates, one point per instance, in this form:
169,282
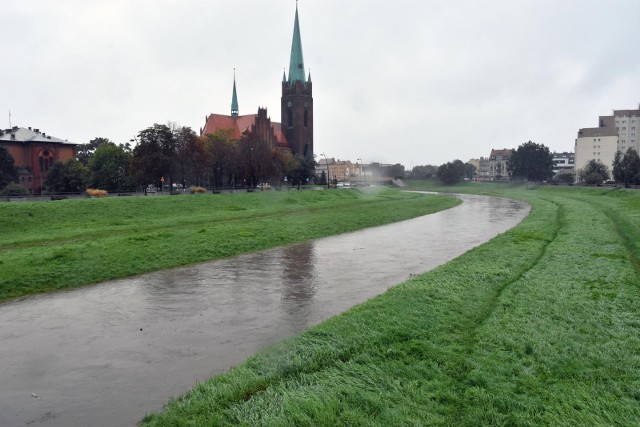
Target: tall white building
616,132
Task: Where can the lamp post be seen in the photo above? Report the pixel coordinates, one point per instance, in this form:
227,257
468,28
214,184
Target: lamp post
360,171
326,164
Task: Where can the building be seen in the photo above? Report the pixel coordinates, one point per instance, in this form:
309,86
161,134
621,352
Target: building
340,170
563,163
295,130
34,152
617,132
498,161
484,169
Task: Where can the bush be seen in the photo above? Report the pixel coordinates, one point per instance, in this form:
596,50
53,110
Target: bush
14,189
196,190
94,192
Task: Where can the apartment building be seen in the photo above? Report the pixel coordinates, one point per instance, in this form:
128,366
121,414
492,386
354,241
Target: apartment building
616,132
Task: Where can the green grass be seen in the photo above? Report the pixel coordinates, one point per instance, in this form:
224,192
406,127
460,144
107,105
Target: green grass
46,246
540,326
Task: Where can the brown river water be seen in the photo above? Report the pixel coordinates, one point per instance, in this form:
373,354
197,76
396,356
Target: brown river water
106,355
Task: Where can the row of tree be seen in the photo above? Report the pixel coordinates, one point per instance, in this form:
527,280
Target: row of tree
174,156
534,162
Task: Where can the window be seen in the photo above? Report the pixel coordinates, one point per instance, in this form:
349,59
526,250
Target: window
306,117
290,117
45,160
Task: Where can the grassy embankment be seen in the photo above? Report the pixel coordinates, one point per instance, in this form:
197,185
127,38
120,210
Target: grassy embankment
55,245
540,326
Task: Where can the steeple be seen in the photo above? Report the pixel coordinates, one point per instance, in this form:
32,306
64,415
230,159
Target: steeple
234,97
296,64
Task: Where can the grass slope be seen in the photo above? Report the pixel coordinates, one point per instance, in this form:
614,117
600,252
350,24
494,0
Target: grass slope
540,326
48,246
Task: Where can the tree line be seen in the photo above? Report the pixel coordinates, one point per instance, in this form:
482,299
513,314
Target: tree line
534,162
171,156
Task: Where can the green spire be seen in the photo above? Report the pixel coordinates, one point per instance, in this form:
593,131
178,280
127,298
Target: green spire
296,65
234,98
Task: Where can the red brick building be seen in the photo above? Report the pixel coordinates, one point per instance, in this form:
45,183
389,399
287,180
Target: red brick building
295,131
34,152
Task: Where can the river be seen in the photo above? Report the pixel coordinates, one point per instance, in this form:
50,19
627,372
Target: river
105,355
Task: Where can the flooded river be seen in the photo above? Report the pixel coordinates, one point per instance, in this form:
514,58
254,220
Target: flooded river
107,354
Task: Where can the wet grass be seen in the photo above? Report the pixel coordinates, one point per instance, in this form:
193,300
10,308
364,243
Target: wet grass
67,243
540,326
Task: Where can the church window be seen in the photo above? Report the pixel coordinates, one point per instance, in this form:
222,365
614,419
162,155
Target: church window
290,117
45,161
306,117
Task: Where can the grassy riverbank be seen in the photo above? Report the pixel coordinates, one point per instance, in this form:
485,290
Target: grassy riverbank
540,326
46,246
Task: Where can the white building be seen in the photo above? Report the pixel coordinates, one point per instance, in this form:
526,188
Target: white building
563,163
616,132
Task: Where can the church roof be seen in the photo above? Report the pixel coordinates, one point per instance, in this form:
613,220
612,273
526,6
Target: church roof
296,64
238,125
234,98
18,134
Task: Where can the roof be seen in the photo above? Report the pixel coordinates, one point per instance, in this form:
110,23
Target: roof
296,63
238,125
602,131
18,134
505,153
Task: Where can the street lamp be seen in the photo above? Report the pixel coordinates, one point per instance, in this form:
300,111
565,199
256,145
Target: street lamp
360,172
326,164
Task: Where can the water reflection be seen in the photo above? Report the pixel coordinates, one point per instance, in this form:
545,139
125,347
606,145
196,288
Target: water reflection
104,355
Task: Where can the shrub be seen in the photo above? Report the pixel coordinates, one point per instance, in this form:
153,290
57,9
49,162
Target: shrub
195,190
14,189
94,192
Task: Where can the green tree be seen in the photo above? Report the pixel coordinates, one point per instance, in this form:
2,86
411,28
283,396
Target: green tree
305,172
8,169
531,161
423,172
110,167
67,177
565,178
85,151
469,171
451,172
154,158
626,169
594,173
396,171
224,158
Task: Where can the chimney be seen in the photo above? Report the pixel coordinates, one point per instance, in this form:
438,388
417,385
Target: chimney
29,127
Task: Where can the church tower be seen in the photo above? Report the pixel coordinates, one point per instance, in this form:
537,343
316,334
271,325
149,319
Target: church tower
297,100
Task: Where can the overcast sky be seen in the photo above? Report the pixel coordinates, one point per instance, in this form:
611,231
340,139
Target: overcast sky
411,82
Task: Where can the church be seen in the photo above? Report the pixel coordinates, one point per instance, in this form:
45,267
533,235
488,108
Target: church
295,130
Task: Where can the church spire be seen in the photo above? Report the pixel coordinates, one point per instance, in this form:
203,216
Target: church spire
234,97
296,65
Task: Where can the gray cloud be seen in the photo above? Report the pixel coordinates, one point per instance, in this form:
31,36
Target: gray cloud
413,82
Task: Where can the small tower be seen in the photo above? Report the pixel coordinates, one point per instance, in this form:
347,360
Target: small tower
234,98
297,100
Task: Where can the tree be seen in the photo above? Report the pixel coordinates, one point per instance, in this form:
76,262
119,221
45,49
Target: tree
564,177
110,167
224,158
451,172
67,177
531,161
154,158
8,170
469,171
626,169
305,172
594,173
423,172
396,171
85,151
